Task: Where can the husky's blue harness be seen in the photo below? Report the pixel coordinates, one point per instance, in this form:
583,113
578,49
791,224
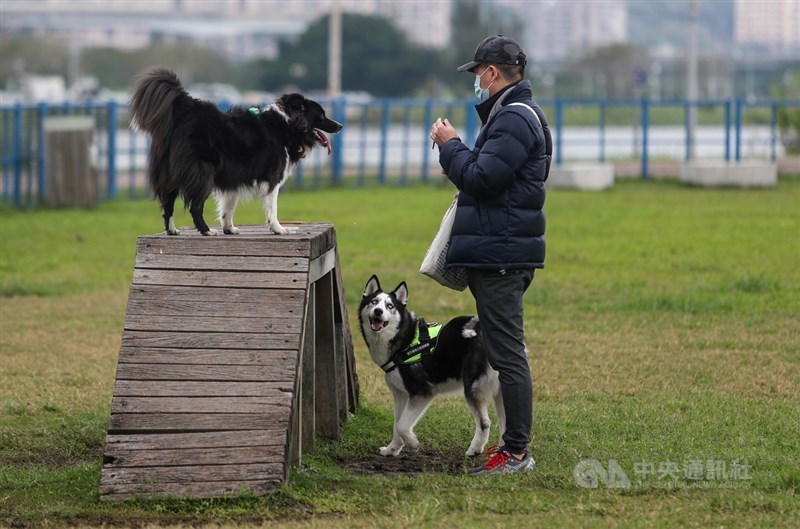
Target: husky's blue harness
424,343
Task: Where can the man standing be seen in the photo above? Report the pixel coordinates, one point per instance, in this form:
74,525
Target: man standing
498,232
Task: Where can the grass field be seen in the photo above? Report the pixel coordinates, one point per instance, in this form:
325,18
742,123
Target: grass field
664,336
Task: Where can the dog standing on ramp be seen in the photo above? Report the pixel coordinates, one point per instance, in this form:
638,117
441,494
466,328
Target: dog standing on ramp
197,150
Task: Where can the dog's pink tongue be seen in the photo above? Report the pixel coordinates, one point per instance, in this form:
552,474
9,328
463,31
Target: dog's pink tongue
323,139
377,325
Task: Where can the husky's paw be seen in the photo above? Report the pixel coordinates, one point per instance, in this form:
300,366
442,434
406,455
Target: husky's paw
173,231
472,453
233,230
209,232
389,451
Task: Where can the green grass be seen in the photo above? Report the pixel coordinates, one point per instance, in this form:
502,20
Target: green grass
664,329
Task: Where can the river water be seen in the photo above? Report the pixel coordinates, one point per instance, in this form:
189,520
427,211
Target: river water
409,148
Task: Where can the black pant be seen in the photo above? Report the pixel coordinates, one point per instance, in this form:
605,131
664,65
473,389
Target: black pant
498,296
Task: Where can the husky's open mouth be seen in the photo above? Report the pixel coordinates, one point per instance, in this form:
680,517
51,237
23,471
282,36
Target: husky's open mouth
322,140
377,324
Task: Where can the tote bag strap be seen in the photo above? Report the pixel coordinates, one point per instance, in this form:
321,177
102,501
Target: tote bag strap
548,140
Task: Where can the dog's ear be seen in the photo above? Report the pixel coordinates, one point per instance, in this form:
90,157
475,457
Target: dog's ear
401,293
373,286
295,102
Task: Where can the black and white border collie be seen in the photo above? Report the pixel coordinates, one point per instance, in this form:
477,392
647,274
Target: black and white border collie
197,150
457,364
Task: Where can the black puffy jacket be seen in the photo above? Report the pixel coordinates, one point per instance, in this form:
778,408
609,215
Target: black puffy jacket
499,222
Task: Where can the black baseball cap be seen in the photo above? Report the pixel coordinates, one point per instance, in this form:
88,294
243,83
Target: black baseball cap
498,50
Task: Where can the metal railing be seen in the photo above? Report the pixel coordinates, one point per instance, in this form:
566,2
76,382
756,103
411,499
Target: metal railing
386,140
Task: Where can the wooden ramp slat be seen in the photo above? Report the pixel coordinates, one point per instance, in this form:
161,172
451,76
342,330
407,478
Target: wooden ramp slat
182,388
246,438
222,263
182,474
204,372
197,422
225,357
207,404
211,340
233,246
176,457
111,488
205,294
214,278
227,324
209,393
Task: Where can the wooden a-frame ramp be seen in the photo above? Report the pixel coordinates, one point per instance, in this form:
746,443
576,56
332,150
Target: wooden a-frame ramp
236,352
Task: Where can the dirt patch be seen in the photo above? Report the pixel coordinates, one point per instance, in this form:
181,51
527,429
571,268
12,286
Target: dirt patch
409,464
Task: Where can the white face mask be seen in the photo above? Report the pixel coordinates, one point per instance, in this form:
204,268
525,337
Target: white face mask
482,93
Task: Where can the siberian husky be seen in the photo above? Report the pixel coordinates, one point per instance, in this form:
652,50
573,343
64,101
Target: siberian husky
417,369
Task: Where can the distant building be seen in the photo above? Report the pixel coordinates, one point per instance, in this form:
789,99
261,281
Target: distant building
556,30
426,22
773,25
241,29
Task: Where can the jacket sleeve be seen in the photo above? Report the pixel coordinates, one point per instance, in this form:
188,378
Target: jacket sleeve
489,172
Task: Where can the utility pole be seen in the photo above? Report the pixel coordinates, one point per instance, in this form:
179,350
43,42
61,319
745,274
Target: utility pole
335,50
691,80
73,60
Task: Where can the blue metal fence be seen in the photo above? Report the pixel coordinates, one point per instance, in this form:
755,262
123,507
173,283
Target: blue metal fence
386,140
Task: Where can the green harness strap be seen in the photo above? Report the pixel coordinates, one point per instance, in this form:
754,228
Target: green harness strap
423,344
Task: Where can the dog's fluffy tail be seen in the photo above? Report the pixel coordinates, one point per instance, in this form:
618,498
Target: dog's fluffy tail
154,94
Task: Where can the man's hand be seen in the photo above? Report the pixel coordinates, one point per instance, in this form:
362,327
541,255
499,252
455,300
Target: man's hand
442,131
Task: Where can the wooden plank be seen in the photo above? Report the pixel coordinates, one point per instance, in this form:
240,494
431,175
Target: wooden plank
321,265
204,372
243,438
181,388
187,422
210,309
343,328
201,404
321,242
247,263
299,231
134,355
294,447
233,246
307,392
220,279
237,324
326,400
240,455
202,489
210,340
197,473
259,296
